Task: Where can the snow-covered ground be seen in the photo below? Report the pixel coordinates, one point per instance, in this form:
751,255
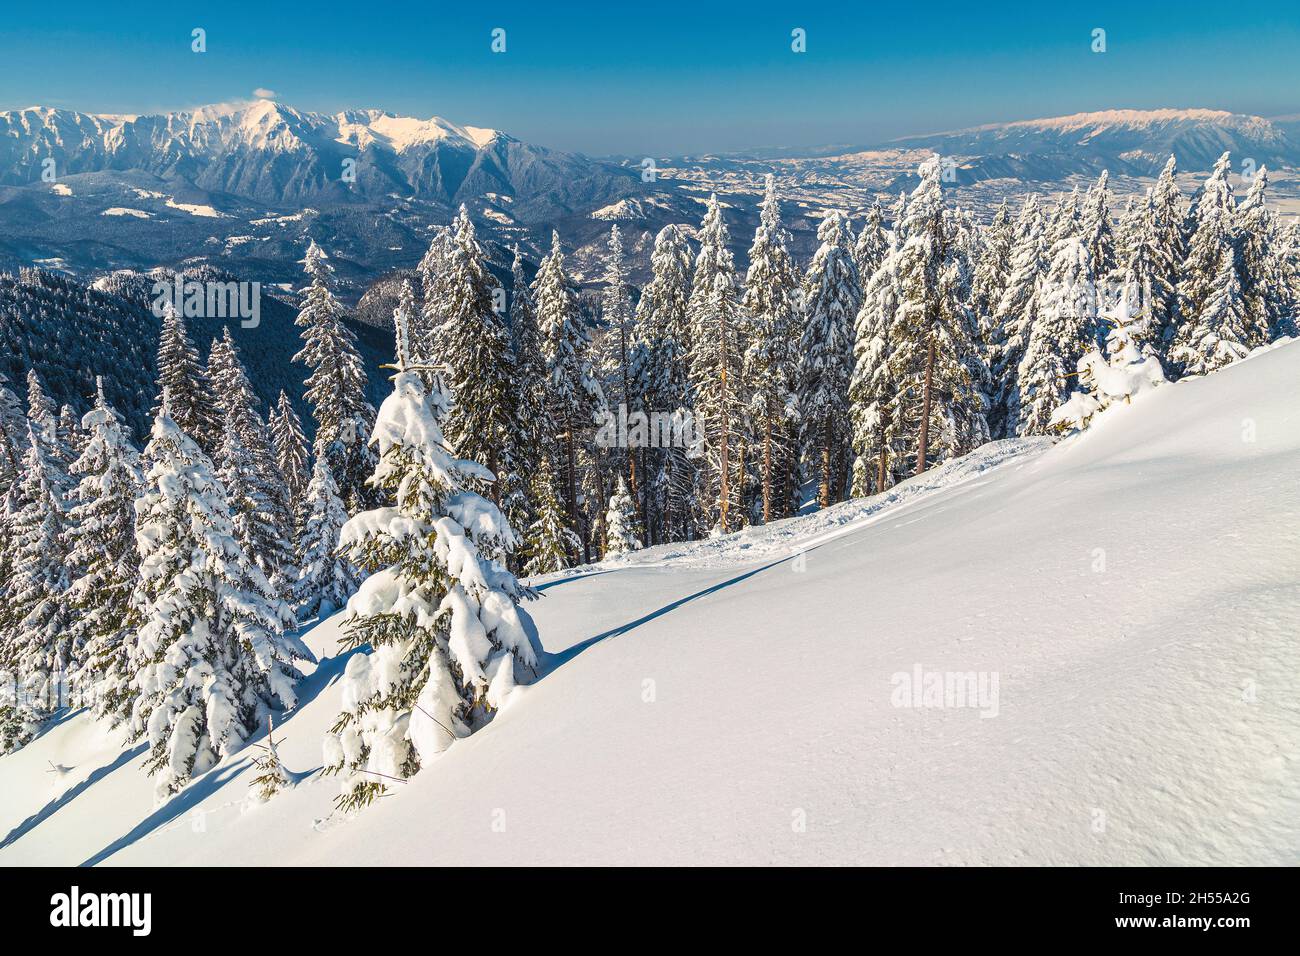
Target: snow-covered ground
1126,603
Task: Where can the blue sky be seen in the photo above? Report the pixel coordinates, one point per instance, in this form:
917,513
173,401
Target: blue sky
660,78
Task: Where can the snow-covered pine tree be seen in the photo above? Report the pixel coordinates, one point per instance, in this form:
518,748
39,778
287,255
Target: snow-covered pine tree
426,325
290,447
1258,265
13,432
271,777
1064,330
716,363
1013,318
1223,331
449,640
35,657
1212,242
871,390
1096,230
325,578
1170,244
336,387
619,364
1147,274
475,349
663,328
992,270
574,396
182,378
549,542
771,365
210,656
258,493
622,524
531,428
832,294
934,337
872,244
104,561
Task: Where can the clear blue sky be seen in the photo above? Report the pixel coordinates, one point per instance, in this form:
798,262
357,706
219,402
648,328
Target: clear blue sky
655,77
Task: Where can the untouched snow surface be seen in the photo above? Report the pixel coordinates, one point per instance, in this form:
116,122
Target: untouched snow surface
1134,592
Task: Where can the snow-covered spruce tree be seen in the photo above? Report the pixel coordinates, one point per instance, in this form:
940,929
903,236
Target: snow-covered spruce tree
271,777
717,354
1013,318
574,396
325,578
104,561
992,270
621,522
13,432
1125,369
1168,218
1258,265
934,336
35,657
480,364
549,542
40,410
871,390
619,362
448,637
1065,329
210,656
1212,242
256,487
532,429
1147,273
872,244
182,378
290,446
663,328
1096,231
771,366
832,293
255,527
1222,331
426,324
336,387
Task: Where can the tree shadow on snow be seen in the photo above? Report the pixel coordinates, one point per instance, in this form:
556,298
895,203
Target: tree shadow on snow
552,662
63,799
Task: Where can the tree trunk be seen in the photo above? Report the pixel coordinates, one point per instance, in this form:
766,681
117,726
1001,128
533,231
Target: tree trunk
767,469
824,492
922,443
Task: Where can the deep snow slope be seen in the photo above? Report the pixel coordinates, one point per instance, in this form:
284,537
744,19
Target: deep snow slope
1134,591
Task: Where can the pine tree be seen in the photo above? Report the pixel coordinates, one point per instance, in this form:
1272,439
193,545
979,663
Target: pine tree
717,374
1147,273
13,430
935,339
1258,266
663,329
574,395
480,363
993,269
619,360
258,493
102,553
1096,231
181,377
771,366
872,390
531,428
210,654
1170,248
1212,243
426,325
1014,318
832,293
336,387
290,446
1222,332
448,638
549,541
623,533
1065,329
271,777
35,657
325,578
872,244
